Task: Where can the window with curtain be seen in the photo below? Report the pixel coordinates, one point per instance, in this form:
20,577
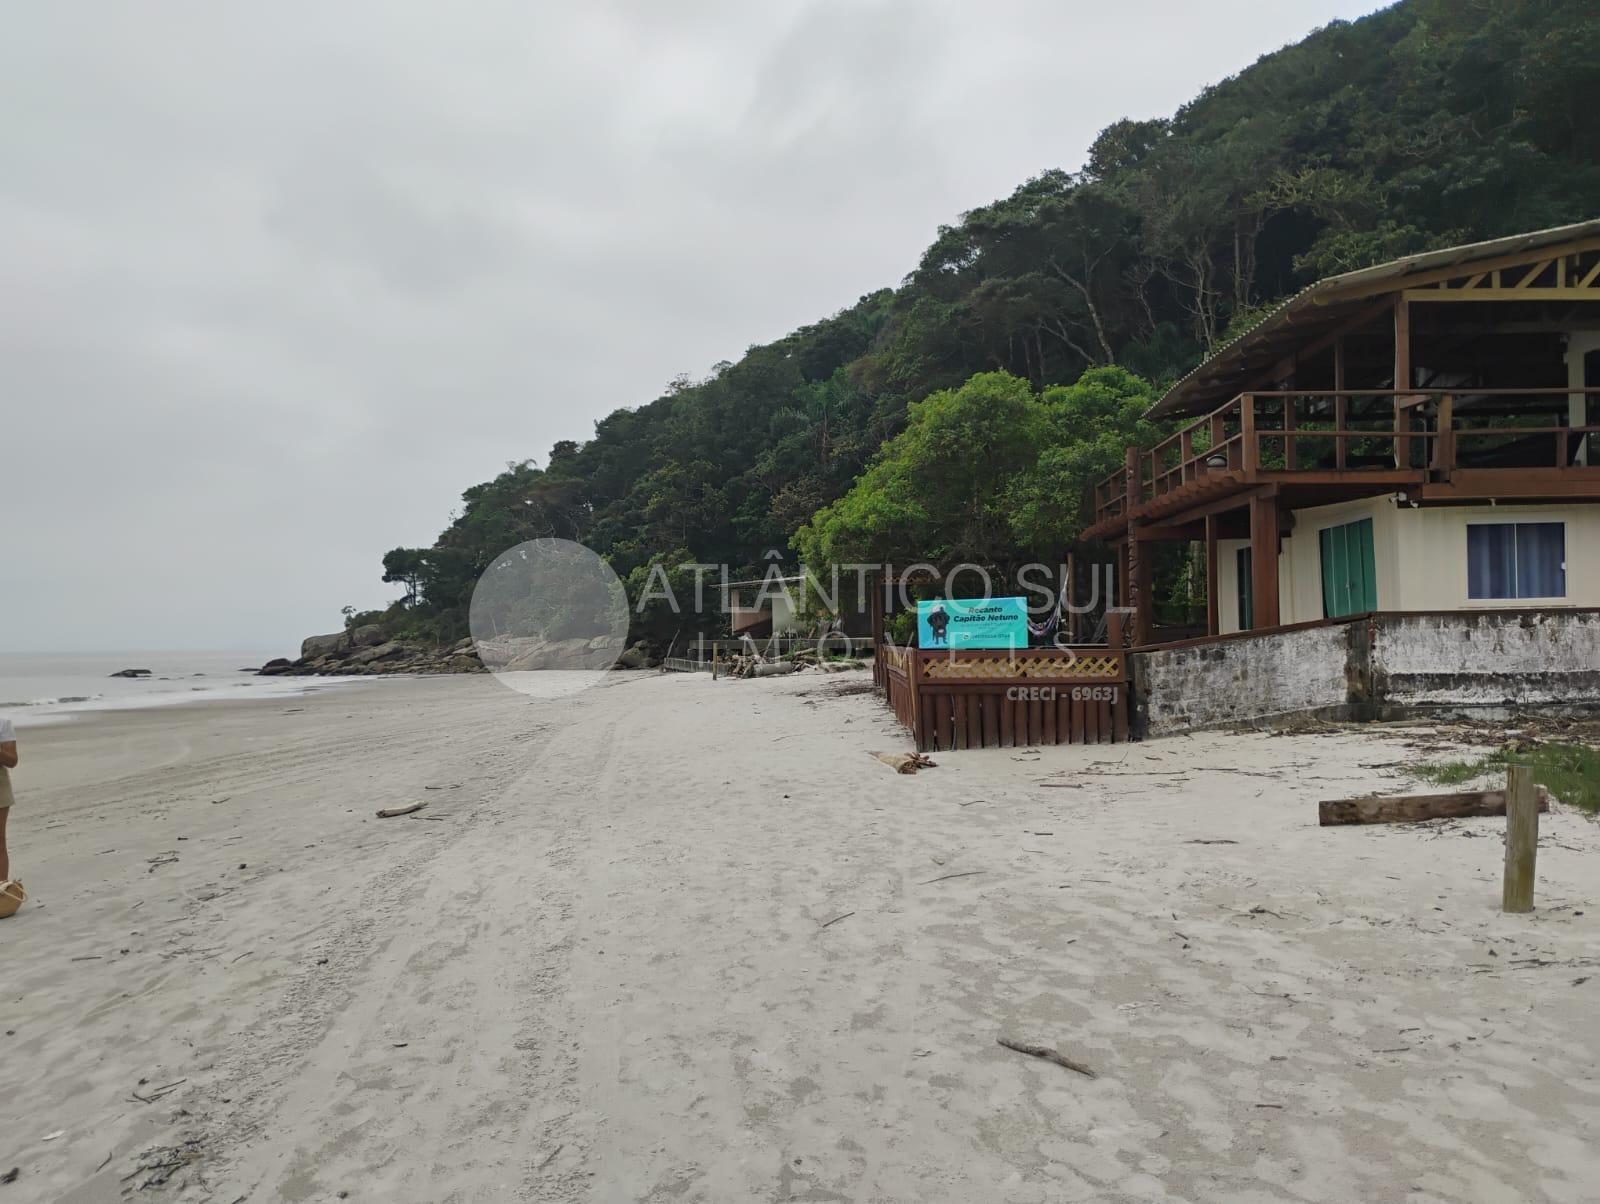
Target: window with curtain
1516,560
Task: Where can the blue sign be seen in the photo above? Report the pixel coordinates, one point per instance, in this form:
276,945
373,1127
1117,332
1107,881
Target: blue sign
972,623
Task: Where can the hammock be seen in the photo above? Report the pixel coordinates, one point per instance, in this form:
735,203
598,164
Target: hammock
1042,631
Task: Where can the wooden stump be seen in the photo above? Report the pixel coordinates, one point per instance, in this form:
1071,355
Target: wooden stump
1522,839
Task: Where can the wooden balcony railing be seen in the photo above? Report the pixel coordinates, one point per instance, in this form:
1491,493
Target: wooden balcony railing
1346,433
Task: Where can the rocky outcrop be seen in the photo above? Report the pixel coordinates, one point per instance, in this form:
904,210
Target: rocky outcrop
366,636
557,654
369,650
131,673
314,646
637,657
383,651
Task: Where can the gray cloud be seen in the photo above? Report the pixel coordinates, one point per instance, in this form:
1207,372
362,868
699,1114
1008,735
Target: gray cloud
282,280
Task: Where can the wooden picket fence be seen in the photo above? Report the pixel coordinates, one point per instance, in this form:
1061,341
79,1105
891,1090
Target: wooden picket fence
1006,699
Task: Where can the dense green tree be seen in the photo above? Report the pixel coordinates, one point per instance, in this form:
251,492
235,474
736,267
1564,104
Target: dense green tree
936,491
1090,425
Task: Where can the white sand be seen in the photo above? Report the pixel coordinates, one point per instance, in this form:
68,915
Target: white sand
601,968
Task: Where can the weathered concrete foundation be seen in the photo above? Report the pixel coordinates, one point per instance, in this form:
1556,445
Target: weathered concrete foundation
1372,665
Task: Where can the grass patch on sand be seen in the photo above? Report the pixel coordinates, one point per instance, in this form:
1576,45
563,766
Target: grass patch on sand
1570,771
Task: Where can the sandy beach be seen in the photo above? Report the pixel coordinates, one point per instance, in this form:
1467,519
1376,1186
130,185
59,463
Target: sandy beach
682,940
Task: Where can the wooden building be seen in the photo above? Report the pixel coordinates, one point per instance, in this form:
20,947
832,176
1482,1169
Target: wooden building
1415,436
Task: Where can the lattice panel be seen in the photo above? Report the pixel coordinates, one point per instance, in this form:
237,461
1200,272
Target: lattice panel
973,668
1004,667
1099,668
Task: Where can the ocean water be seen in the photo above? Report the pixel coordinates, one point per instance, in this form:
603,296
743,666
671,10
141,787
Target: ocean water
51,687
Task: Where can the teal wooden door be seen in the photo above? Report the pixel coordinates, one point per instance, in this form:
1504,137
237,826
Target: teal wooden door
1349,570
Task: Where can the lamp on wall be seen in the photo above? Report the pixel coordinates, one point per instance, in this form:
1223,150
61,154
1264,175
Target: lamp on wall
1217,460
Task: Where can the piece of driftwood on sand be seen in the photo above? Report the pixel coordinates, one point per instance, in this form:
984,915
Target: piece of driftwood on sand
905,762
1414,808
1048,1054
391,812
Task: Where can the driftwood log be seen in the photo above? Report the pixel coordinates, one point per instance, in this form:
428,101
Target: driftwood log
391,812
905,762
1413,808
1048,1054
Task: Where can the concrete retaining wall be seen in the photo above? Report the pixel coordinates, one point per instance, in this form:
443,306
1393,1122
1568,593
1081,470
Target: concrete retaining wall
1371,665
1532,657
1241,679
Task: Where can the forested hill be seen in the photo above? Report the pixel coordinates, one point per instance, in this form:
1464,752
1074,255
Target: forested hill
1430,123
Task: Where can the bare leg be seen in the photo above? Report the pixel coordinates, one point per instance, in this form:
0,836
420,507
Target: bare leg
5,859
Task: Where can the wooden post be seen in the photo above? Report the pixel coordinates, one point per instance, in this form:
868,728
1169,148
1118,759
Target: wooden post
1289,422
1251,453
1522,839
1124,581
875,588
1213,594
716,660
1402,382
1444,449
1138,566
1141,574
914,684
1069,588
1341,403
1264,560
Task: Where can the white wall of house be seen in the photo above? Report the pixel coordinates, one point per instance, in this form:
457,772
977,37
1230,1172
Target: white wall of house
1420,556
1580,343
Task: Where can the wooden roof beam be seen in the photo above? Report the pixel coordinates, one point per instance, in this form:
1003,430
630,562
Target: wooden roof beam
1456,270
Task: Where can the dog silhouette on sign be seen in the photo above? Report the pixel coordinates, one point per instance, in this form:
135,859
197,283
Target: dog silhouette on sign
938,621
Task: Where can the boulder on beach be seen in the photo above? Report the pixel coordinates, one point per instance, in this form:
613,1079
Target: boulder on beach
273,667
367,655
637,657
314,646
557,654
131,673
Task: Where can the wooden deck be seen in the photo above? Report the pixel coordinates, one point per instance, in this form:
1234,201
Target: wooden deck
952,699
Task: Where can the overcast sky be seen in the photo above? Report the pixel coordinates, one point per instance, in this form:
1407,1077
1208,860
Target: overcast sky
281,280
